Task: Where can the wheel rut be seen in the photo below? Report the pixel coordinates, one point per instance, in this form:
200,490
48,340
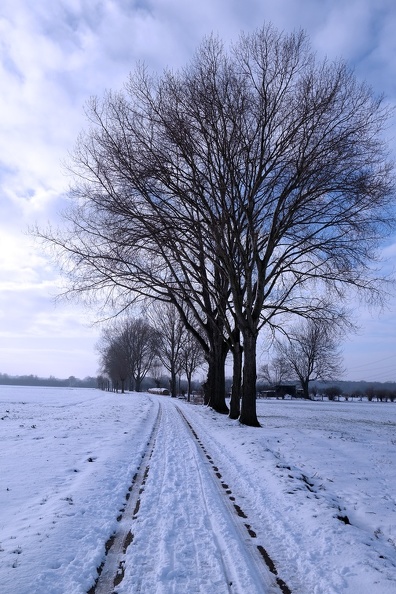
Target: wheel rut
229,513
234,506
112,570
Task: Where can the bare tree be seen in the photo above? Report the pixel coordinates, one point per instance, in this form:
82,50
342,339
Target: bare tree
249,184
311,353
115,364
128,348
313,191
333,392
172,333
274,372
144,343
156,370
191,358
114,357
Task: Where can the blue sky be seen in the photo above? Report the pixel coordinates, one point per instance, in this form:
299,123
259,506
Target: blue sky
53,57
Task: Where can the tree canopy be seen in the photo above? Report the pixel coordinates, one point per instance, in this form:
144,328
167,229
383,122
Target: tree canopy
253,182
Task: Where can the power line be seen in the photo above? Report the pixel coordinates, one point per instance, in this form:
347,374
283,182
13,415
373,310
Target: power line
365,365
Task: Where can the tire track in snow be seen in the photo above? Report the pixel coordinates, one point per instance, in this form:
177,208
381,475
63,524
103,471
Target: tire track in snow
242,526
176,548
111,572
150,553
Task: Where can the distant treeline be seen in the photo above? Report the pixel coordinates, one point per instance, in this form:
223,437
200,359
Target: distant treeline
349,387
345,386
53,382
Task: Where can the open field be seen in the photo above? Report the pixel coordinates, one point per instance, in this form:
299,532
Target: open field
317,483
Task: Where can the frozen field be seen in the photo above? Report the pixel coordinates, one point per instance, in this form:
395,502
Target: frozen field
317,484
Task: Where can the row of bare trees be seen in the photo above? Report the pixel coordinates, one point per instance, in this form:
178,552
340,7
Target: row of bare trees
130,348
250,186
371,393
127,350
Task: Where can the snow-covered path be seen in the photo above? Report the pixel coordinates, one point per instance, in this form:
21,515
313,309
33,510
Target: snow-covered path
184,527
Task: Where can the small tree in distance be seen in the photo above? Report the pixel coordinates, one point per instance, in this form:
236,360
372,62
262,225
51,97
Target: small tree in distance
310,352
156,370
115,360
333,392
128,348
191,357
274,372
171,334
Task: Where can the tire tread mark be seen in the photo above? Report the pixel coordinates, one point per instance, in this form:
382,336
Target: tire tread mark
251,532
111,571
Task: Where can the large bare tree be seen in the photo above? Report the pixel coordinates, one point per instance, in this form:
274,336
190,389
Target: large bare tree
249,184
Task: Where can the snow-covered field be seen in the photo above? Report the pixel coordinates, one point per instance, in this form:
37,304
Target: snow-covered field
317,484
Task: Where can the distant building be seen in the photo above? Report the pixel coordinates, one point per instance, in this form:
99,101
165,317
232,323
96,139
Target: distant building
279,391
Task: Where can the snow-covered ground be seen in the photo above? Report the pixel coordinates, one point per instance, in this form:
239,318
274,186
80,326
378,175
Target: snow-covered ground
317,484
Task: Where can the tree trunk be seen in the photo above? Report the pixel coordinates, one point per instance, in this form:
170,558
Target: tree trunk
248,405
189,387
173,383
215,384
305,388
235,402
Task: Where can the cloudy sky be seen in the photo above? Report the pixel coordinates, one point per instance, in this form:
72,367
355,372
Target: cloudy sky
54,55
